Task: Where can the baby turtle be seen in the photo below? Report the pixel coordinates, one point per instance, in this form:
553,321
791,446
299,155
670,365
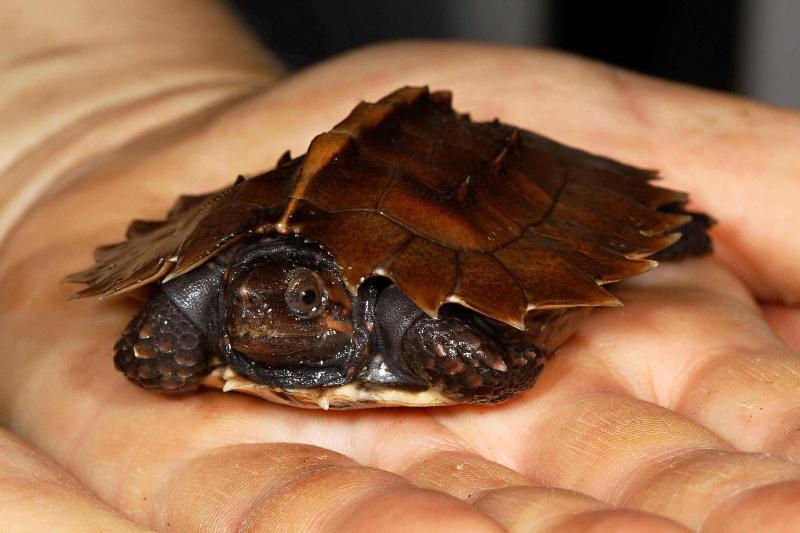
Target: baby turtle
410,257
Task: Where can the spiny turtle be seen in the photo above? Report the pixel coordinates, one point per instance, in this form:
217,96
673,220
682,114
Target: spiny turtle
410,257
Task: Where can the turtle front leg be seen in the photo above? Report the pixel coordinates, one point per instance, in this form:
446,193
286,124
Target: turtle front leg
162,349
467,364
453,354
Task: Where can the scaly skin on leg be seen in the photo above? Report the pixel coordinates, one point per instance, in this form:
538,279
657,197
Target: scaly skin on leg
451,354
468,364
161,348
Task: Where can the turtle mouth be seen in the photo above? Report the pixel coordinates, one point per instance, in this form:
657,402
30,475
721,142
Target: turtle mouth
331,325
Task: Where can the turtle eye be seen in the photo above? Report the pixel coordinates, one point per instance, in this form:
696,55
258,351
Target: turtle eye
305,293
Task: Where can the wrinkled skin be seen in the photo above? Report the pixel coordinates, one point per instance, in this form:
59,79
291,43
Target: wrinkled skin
656,415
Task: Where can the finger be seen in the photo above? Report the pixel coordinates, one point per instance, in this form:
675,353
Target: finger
689,338
256,487
631,454
519,505
759,509
712,483
464,475
532,509
36,495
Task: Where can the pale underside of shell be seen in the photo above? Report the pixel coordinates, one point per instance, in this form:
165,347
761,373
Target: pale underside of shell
354,395
486,215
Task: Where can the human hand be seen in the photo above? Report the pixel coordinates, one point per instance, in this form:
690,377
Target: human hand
653,415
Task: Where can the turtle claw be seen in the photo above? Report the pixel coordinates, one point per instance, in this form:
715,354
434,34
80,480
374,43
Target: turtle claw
491,360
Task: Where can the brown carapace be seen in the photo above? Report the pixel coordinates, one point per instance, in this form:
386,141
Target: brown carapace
494,219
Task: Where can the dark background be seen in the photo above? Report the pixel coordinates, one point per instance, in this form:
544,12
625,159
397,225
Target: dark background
693,41
747,46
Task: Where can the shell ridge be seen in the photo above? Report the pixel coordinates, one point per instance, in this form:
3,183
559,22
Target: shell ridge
665,222
558,194
518,284
643,265
497,284
395,174
323,150
399,224
544,218
387,261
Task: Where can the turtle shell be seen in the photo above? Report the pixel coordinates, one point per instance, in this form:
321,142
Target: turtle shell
481,214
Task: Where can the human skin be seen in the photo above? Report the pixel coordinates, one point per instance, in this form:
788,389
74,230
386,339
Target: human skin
679,410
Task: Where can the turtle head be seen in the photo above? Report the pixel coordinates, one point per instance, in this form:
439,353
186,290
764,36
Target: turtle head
284,306
287,316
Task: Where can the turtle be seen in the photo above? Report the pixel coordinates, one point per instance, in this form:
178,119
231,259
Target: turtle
411,257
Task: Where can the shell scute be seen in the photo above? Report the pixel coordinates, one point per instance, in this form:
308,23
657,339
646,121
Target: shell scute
423,268
365,179
618,208
535,172
446,219
548,279
358,240
602,264
486,286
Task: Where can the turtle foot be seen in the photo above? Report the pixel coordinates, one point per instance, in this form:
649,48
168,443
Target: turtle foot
162,349
464,362
452,355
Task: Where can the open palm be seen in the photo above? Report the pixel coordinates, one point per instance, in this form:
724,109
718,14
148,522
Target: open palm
678,410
